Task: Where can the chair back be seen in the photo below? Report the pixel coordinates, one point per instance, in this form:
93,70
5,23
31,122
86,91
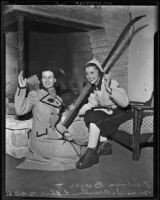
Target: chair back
150,102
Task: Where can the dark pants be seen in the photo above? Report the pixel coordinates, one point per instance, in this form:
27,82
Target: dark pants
107,124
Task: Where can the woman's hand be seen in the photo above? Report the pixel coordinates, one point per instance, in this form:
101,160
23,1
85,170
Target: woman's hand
107,83
68,136
71,106
21,80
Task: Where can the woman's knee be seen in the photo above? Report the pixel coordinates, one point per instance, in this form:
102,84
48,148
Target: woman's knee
89,116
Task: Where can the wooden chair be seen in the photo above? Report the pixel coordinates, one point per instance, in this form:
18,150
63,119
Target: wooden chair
137,132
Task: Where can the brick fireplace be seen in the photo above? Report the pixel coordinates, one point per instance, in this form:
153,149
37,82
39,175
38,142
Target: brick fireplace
66,35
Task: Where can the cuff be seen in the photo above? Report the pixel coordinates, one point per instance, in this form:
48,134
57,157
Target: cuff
21,87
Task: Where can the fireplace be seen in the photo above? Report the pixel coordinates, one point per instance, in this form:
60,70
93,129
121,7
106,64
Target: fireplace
37,36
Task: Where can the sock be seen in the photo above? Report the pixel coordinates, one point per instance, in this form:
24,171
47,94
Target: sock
103,139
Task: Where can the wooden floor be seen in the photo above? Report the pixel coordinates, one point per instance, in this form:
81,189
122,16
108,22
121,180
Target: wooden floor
114,176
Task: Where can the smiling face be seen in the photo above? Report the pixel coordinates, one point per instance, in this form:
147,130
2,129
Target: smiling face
48,79
92,74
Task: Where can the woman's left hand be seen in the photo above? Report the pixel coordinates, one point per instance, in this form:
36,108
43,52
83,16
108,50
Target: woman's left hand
71,107
107,82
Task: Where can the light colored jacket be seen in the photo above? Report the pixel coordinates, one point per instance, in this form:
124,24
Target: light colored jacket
48,151
102,98
45,111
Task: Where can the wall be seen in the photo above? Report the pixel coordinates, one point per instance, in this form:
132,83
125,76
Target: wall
141,54
11,64
114,20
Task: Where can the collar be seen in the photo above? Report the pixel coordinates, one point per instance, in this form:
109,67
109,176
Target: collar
98,86
43,88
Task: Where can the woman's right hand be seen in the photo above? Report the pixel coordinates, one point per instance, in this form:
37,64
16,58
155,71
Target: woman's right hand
21,80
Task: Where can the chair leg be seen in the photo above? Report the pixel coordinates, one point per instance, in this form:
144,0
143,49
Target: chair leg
137,121
136,146
136,152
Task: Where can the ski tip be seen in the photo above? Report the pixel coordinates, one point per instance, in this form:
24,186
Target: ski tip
140,17
137,18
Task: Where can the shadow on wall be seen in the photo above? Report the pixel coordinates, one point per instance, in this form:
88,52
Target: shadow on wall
10,91
141,54
125,46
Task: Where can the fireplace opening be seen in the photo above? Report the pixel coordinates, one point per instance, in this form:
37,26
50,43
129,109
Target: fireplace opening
49,42
66,47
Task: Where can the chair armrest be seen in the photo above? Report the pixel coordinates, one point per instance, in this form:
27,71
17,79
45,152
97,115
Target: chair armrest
139,114
136,103
142,108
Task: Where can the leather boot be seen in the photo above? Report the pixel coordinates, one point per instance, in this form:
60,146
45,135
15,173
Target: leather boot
104,148
88,159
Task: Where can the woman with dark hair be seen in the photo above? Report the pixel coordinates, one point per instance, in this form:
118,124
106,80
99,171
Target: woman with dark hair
105,110
50,146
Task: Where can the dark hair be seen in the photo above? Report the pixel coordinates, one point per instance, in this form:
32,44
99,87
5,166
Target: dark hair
47,68
94,65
